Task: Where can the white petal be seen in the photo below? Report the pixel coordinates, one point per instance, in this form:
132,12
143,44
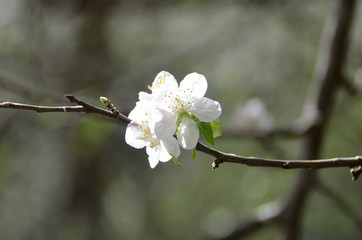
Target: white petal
140,112
164,81
133,136
188,133
143,96
156,154
152,156
171,146
164,156
205,109
164,124
196,83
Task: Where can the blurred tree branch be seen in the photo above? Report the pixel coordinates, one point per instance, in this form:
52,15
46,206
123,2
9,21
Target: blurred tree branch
341,204
27,90
327,75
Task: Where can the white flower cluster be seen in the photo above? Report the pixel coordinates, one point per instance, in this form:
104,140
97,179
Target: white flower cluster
163,120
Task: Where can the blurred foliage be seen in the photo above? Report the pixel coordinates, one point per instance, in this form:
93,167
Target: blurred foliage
65,176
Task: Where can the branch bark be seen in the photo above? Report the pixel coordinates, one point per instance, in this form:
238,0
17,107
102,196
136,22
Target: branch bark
82,107
221,157
41,109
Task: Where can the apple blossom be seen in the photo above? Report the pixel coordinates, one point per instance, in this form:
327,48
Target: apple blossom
185,102
140,133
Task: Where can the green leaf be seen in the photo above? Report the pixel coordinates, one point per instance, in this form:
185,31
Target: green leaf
205,130
193,153
216,128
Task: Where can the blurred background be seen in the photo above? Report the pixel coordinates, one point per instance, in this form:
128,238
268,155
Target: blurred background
69,176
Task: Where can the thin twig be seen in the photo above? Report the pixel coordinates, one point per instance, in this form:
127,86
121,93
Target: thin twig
41,109
221,157
82,107
93,109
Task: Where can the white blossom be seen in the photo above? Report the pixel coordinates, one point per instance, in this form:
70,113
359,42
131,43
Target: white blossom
182,102
141,133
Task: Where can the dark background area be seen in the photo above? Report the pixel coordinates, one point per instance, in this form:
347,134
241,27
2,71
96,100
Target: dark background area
69,176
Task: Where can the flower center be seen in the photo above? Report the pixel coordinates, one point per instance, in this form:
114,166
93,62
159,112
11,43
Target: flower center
180,102
146,131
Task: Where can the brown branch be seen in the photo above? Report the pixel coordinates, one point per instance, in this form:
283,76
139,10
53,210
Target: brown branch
41,109
93,109
82,107
221,157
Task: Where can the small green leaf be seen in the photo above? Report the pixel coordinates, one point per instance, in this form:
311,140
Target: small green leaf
205,130
216,128
193,153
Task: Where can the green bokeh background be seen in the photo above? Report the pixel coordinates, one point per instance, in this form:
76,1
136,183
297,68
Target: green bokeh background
69,176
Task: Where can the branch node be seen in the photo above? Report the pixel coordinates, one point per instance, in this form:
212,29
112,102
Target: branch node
110,106
71,98
356,171
216,163
6,104
286,165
